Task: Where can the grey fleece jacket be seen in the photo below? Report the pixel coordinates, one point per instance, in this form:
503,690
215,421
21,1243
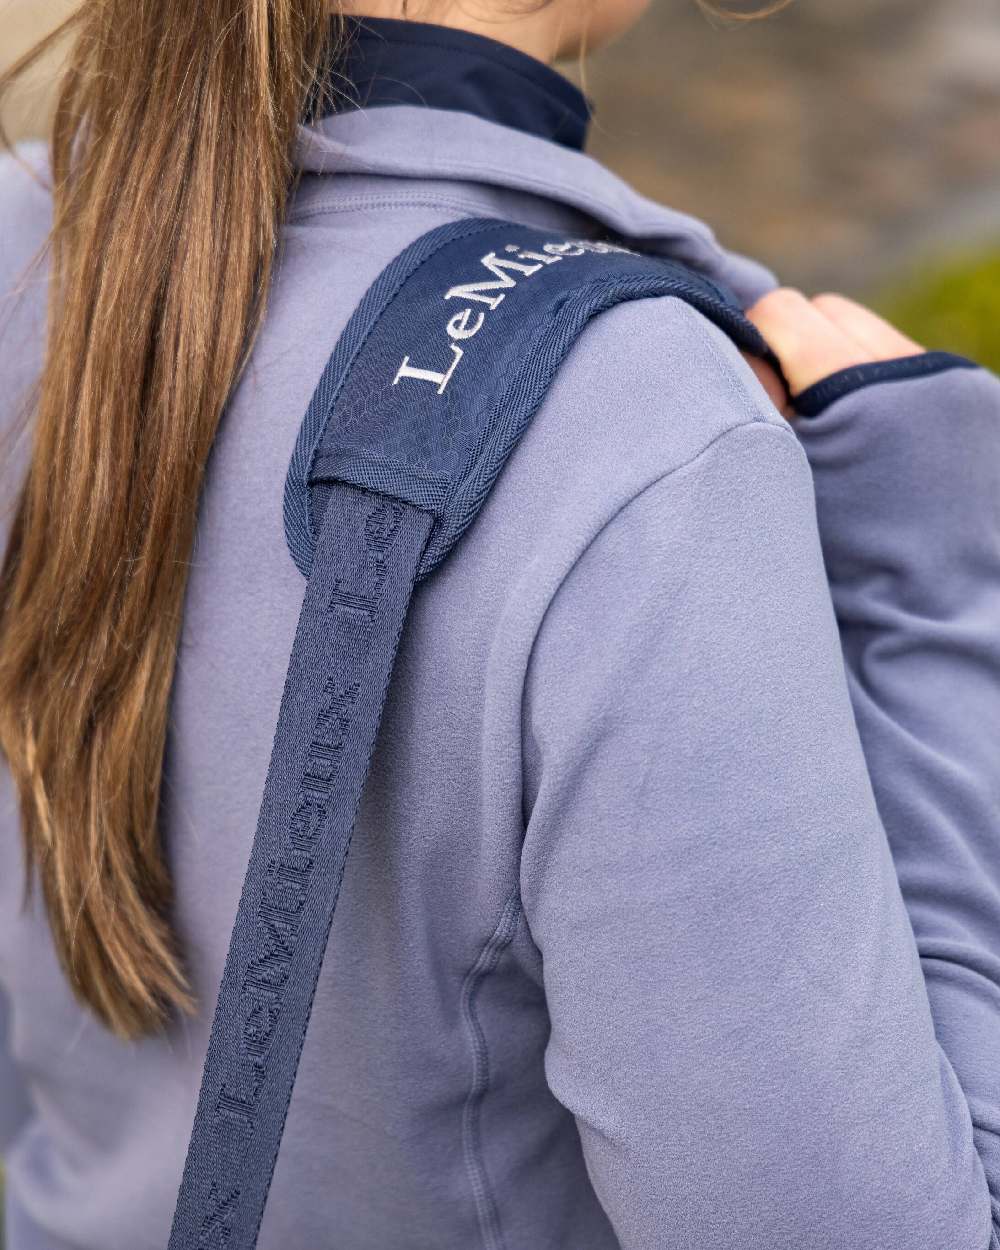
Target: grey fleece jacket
673,918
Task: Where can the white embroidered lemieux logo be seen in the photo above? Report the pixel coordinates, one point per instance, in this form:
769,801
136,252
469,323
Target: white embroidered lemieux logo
467,323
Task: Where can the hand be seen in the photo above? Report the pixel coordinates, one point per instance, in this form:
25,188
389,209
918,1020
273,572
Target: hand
813,338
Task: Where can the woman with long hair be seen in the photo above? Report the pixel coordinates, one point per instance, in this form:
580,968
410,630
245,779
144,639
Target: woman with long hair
673,917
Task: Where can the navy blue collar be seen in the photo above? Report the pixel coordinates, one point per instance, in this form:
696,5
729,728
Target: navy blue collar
387,61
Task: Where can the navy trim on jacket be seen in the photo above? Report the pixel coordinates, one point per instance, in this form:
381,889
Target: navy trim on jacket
387,61
817,398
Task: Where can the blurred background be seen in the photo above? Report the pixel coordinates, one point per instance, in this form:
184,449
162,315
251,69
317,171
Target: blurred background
852,144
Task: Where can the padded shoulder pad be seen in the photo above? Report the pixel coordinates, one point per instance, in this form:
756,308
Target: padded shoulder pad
447,358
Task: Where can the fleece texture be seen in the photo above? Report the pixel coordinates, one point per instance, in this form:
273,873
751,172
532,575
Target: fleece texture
673,915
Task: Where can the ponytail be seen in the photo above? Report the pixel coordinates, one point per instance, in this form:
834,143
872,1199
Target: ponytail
171,165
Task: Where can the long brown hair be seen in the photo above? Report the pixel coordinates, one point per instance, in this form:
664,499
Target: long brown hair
170,172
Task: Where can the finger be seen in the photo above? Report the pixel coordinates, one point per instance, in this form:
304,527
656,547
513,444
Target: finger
868,329
809,344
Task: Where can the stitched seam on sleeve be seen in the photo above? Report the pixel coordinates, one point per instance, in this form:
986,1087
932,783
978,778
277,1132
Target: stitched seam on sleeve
352,203
737,386
754,422
487,1213
757,422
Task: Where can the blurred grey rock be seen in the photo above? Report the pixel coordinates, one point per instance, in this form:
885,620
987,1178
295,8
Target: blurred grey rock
837,141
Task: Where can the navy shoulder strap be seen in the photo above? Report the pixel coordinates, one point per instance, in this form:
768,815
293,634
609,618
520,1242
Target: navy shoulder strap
428,391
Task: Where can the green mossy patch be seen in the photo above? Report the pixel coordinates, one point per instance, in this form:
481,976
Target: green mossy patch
951,304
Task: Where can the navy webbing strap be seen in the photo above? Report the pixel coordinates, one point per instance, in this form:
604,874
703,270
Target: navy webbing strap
355,602
428,391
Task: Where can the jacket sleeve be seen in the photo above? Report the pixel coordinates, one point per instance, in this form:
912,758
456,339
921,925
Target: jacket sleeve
907,478
739,1019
